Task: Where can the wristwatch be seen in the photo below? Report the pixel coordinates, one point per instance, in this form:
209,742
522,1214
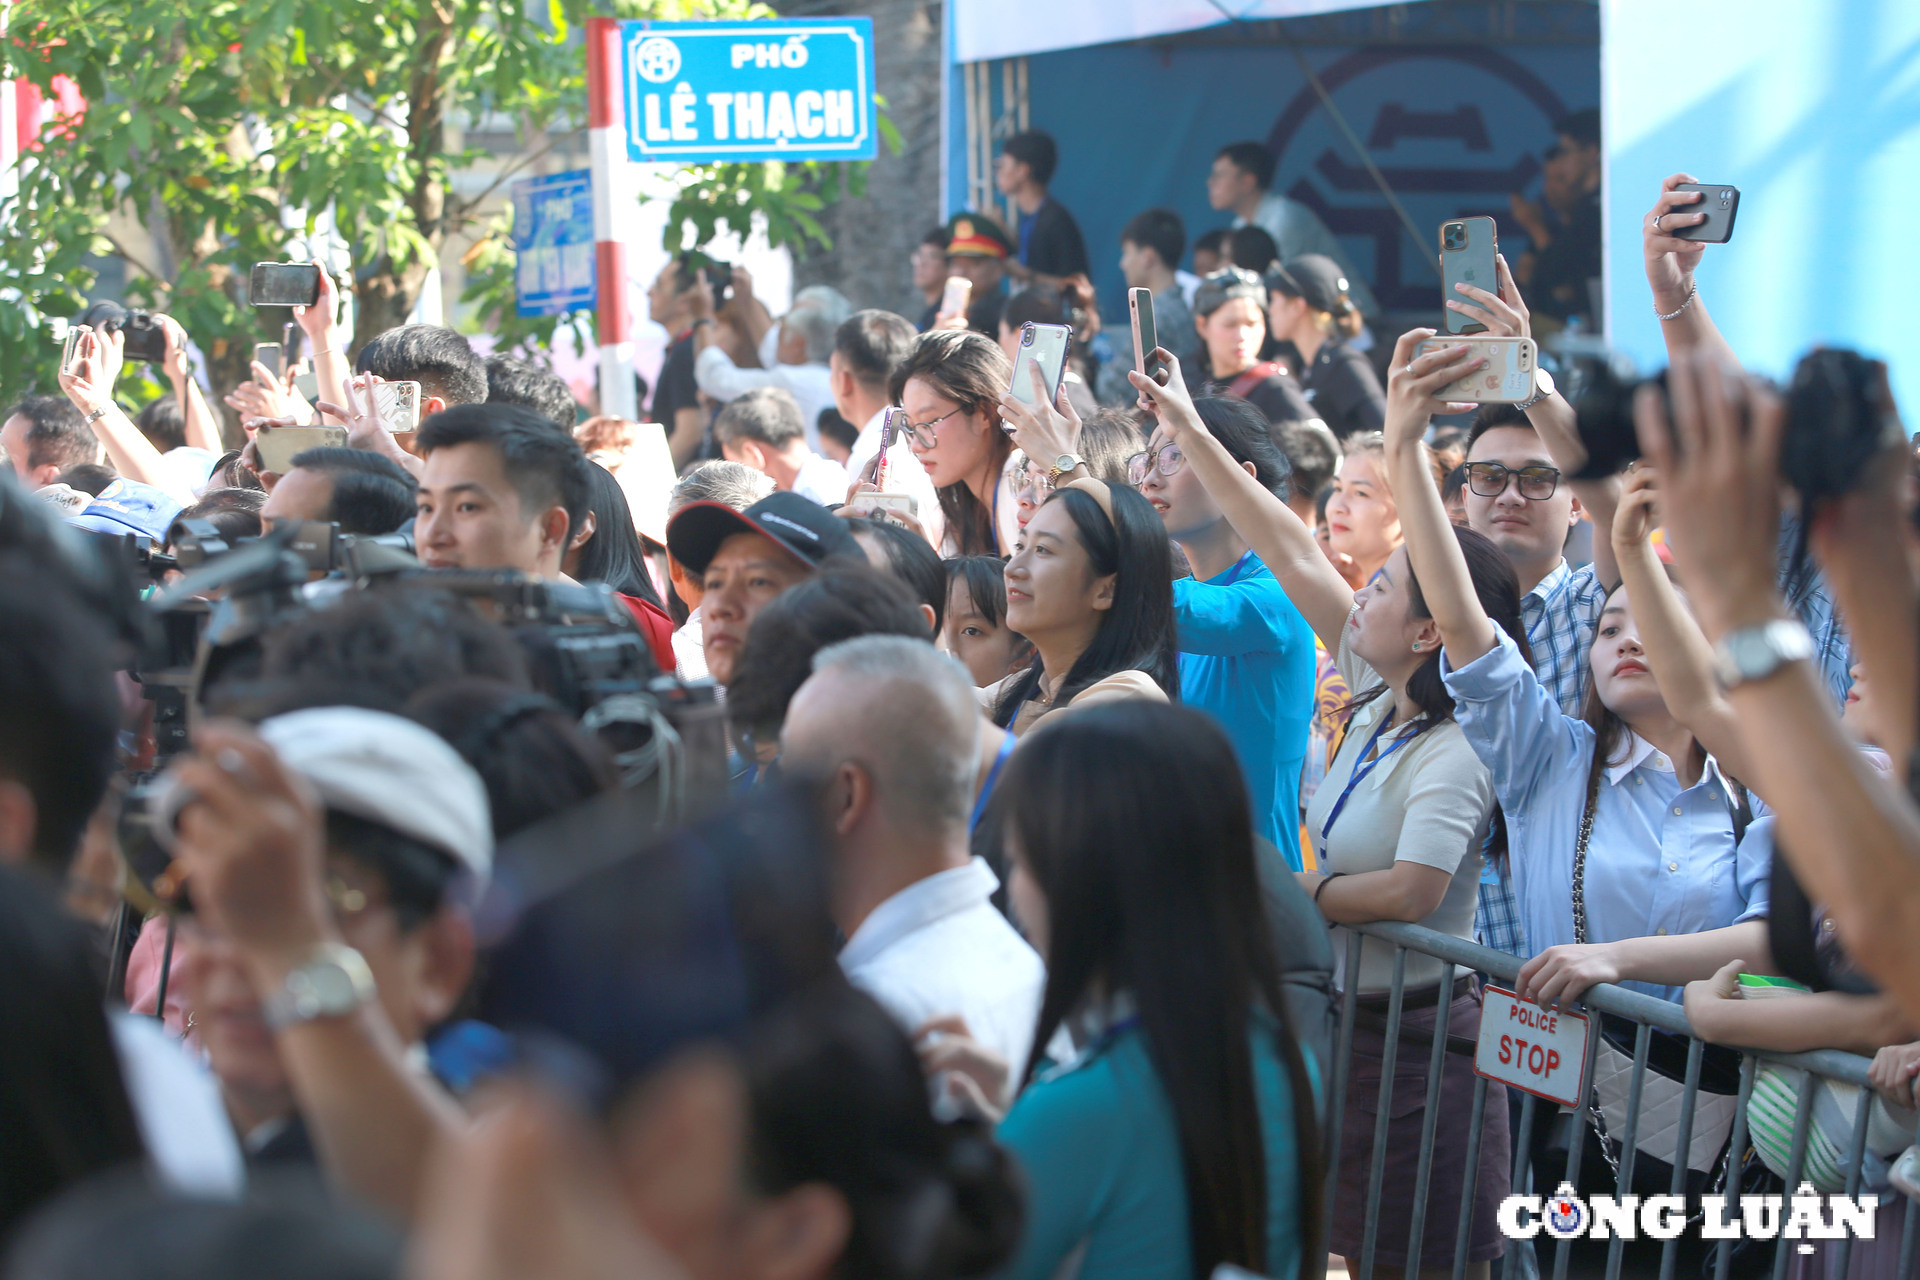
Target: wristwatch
1064,463
1542,388
335,981
1754,653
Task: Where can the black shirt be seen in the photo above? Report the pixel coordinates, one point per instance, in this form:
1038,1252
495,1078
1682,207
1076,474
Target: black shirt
675,388
1561,272
1344,391
1052,246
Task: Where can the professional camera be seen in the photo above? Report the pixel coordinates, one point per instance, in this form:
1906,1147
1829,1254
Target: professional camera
146,339
1840,414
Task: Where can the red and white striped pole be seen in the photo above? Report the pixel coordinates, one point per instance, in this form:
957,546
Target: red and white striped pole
613,210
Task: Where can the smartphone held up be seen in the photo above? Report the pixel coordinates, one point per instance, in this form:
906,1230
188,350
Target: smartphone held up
1145,337
284,284
1043,347
1508,377
1468,247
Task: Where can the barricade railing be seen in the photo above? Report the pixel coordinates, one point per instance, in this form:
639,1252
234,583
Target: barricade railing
1647,1013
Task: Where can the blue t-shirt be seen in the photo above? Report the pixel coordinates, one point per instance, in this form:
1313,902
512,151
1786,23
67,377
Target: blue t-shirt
1102,1156
1246,659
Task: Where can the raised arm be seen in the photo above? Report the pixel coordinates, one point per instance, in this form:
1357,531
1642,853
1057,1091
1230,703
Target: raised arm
1432,549
1684,322
321,324
202,432
1852,837
1676,648
90,389
1283,543
1552,417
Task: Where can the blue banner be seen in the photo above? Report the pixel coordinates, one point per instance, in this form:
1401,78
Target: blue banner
553,244
699,92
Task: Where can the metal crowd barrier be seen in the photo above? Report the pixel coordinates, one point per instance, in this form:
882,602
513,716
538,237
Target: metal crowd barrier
1647,1012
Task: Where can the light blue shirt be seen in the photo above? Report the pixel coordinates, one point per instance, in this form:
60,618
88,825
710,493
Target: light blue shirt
1661,859
1101,1152
1246,659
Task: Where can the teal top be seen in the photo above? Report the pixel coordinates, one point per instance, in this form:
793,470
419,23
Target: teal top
1246,659
1102,1159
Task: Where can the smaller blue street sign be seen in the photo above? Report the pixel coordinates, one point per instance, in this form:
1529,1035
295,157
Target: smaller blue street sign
553,244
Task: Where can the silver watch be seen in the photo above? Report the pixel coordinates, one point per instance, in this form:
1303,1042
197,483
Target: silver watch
1754,653
1542,388
335,981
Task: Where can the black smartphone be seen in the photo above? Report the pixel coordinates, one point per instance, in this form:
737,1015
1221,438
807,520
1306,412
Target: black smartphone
1719,203
1467,250
284,284
272,355
1145,337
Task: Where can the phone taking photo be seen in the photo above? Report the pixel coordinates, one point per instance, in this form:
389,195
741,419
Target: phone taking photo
891,424
1507,379
1720,203
1145,338
277,446
959,291
273,356
1468,247
284,284
1042,346
398,405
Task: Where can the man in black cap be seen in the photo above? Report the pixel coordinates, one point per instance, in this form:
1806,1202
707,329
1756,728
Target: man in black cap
1308,306
744,559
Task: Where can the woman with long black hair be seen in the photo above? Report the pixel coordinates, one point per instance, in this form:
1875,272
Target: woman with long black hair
1181,1133
1090,585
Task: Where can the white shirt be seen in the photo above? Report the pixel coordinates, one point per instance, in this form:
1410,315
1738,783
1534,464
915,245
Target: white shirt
822,479
189,466
177,1106
690,649
810,384
905,474
939,948
1189,284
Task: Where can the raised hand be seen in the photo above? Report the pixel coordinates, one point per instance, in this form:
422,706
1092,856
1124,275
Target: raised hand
1505,315
1671,260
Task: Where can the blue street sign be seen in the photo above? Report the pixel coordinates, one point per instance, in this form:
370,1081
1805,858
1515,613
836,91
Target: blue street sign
553,244
699,92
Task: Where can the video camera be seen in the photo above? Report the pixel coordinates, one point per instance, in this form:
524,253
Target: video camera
1840,416
582,645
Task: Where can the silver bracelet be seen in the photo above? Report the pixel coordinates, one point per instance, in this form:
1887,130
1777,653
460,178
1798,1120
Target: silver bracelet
95,416
1693,288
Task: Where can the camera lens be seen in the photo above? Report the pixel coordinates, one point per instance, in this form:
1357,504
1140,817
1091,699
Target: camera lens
1026,335
1455,235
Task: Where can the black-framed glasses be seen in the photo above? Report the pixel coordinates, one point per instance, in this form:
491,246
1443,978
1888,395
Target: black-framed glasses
1166,461
1490,480
922,432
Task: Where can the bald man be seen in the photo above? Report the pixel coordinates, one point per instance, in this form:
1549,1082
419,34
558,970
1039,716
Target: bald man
889,725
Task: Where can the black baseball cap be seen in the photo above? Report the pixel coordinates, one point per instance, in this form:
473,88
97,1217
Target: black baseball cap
1314,277
805,528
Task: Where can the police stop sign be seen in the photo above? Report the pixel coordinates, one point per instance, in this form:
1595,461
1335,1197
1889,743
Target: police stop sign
699,92
1543,1051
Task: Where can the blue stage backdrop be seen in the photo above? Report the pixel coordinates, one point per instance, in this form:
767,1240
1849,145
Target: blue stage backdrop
1455,128
1812,109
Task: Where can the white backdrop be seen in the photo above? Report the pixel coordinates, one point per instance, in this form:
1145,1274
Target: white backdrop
1009,28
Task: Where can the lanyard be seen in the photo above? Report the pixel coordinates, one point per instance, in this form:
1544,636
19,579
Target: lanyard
1361,771
993,776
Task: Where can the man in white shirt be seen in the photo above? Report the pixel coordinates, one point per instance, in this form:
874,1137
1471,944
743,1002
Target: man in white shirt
889,726
794,353
865,350
1238,183
763,429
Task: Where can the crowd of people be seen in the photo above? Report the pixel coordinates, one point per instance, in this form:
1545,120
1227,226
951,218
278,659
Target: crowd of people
1054,790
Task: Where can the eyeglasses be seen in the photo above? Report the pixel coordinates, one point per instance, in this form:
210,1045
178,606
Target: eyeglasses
922,432
1028,479
1489,480
1167,461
